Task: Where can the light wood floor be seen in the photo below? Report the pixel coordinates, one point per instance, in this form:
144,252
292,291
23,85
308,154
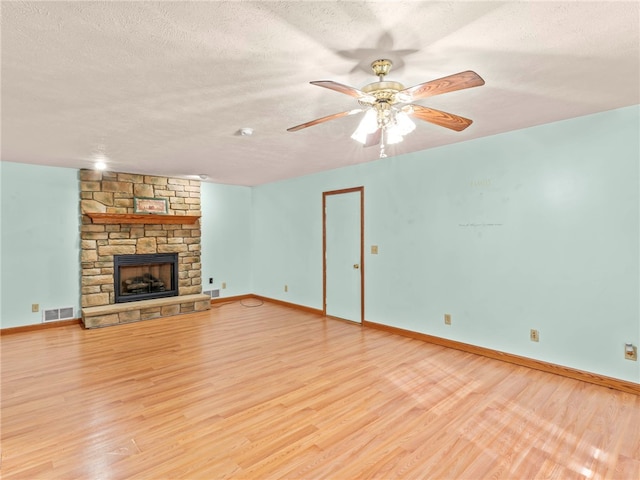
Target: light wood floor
272,392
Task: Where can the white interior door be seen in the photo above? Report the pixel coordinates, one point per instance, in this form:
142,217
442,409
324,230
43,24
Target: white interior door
343,254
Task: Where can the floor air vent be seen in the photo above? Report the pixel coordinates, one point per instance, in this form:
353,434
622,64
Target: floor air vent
55,314
213,293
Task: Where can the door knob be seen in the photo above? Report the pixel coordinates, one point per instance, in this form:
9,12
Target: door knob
356,266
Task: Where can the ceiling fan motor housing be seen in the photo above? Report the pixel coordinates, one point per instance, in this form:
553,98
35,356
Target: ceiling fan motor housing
383,91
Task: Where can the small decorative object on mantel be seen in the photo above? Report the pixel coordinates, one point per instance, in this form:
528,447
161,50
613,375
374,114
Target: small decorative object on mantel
150,205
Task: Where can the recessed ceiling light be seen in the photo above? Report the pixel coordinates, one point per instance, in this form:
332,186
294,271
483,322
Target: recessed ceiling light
100,161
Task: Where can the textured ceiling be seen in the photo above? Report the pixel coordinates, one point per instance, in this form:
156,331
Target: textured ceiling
164,87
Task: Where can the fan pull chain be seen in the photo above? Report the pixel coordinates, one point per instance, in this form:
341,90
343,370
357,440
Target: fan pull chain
382,152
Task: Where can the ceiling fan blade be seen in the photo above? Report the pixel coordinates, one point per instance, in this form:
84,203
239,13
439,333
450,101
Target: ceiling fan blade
437,117
339,87
373,138
457,81
324,119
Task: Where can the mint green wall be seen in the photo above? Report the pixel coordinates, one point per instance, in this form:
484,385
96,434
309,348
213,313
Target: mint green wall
536,228
226,238
40,252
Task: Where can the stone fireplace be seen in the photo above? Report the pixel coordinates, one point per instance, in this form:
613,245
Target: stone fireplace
114,235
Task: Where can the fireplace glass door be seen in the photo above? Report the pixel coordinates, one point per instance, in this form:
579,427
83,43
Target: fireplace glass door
143,277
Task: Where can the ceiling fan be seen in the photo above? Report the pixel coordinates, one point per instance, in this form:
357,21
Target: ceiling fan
388,108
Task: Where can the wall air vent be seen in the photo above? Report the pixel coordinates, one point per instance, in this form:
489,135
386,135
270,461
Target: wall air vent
213,293
55,314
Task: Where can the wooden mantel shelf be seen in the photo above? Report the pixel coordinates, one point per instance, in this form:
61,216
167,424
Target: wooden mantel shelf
114,218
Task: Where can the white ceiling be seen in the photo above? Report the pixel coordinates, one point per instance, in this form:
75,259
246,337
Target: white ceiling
163,87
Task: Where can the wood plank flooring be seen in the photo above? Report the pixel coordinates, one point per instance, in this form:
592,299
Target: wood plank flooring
272,392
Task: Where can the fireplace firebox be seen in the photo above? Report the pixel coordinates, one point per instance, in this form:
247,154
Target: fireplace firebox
146,276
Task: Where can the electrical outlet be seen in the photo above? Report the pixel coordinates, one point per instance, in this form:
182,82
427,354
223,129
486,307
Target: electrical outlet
374,249
631,352
35,307
447,319
224,285
534,335
286,288
210,279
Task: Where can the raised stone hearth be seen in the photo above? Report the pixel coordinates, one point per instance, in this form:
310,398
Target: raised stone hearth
110,226
119,313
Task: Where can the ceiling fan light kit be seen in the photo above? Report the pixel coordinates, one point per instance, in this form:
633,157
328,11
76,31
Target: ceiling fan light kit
388,109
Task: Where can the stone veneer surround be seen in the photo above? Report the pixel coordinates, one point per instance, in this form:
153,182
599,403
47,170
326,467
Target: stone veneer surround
113,193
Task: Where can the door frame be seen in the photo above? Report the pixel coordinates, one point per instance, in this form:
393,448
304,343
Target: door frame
324,246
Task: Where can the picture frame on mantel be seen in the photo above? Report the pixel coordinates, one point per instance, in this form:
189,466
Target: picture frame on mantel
157,206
